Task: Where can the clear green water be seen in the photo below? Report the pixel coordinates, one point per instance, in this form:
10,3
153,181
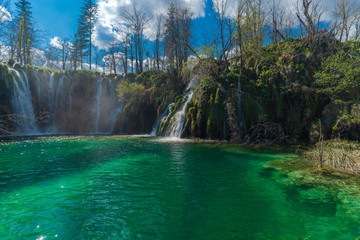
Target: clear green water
129,188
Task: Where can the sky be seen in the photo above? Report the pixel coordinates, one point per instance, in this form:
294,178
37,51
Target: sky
58,18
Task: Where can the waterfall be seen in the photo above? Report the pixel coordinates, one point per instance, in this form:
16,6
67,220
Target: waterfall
70,99
51,92
59,92
39,89
53,102
116,113
179,119
98,98
224,126
22,104
241,122
165,113
118,110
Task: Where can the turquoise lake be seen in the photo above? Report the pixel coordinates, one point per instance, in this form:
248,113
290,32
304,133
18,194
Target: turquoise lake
144,188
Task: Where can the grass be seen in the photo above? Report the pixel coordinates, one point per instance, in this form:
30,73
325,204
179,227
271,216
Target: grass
337,155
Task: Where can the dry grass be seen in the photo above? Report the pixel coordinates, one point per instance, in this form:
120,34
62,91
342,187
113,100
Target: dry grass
337,156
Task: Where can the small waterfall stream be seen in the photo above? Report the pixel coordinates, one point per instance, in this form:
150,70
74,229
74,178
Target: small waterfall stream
239,108
59,92
177,121
38,88
118,110
98,99
51,92
179,118
165,113
22,104
70,99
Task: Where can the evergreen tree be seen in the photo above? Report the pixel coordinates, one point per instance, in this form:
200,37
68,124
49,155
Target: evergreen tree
86,25
25,35
170,35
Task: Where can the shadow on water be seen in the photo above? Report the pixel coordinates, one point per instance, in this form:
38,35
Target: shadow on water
56,156
311,199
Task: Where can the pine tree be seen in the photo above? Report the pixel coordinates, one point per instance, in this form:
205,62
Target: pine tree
86,24
25,35
170,35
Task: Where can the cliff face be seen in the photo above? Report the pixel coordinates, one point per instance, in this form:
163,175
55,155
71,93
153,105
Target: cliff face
277,94
56,102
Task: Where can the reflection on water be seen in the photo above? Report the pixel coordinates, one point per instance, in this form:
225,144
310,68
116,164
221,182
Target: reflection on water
130,188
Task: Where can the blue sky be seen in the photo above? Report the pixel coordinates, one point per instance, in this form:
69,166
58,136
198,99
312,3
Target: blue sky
59,17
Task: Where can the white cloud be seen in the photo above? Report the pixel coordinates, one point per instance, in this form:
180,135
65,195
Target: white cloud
56,42
110,17
4,14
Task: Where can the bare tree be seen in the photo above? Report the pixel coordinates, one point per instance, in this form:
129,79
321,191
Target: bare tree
52,56
345,14
223,11
309,13
177,34
138,20
65,48
157,45
112,59
357,27
281,22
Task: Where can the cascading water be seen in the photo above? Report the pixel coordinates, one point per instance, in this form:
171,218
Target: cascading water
58,100
118,110
179,119
70,99
22,105
166,112
116,113
51,92
53,102
39,88
98,98
241,123
59,92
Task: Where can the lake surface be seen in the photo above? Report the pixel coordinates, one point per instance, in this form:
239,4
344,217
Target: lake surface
135,188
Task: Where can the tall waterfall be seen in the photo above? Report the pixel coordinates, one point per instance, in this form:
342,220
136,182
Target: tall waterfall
70,99
177,121
165,113
239,108
54,101
39,88
64,102
59,92
22,104
179,117
118,110
98,98
51,91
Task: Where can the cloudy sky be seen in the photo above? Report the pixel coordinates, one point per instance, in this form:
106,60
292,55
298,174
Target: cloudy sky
59,17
